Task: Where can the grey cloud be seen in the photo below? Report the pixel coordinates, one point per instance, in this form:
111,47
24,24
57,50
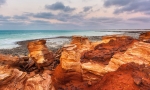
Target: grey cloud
129,5
140,19
22,17
137,6
4,18
59,6
85,9
108,3
68,17
65,17
2,2
148,12
45,15
106,19
40,22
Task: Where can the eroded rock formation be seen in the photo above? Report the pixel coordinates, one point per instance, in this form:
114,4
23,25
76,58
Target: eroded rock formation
11,78
70,66
39,52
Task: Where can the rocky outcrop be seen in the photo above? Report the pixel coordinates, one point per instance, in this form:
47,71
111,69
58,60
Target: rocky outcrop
69,69
137,53
129,76
11,78
94,62
103,52
115,62
145,36
39,52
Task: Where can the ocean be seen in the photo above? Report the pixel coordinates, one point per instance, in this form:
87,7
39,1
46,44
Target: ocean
8,38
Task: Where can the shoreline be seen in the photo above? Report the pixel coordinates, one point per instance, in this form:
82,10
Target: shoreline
53,43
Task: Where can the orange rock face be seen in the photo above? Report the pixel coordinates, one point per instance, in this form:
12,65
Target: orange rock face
39,52
70,66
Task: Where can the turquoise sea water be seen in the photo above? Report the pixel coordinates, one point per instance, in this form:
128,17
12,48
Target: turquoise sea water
8,38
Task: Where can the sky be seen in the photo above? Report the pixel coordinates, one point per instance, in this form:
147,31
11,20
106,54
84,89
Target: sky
74,14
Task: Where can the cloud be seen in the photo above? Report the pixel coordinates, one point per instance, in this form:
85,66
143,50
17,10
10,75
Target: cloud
22,17
65,17
2,2
62,16
87,8
108,3
106,19
128,5
4,18
138,6
140,19
39,22
59,6
45,15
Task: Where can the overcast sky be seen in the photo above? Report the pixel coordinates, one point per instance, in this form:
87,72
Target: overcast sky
74,14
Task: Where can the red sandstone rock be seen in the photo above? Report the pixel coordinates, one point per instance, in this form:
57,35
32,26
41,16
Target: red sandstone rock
138,53
13,79
39,52
94,62
104,51
128,77
82,65
69,69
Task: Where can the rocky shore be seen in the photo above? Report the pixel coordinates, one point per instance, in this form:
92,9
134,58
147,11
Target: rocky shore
53,43
112,62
